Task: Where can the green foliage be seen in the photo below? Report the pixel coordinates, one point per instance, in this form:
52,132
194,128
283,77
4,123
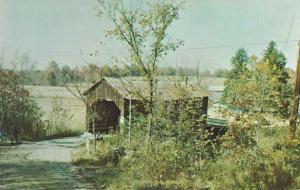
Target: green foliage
19,114
67,74
177,149
276,58
102,156
52,79
237,80
145,33
59,118
181,154
53,74
277,62
259,85
242,164
239,63
182,151
251,169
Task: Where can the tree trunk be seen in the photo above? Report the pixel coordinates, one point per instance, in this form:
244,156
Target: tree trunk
151,106
295,107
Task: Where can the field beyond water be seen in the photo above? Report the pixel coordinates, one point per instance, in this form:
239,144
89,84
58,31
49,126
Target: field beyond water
45,95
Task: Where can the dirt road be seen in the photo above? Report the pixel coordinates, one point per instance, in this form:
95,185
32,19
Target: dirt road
41,165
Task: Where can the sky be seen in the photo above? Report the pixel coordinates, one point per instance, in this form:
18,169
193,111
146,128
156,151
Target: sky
67,31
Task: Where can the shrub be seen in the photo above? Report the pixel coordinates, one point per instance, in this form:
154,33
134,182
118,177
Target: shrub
19,113
250,170
244,165
59,121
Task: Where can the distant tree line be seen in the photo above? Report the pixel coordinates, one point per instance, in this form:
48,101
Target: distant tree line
55,75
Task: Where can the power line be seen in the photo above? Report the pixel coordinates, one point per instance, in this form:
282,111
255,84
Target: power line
182,49
236,45
291,26
57,55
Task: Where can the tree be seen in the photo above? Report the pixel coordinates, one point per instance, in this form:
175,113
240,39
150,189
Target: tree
106,70
276,58
277,62
92,73
238,77
53,73
52,79
259,85
76,91
145,33
239,64
266,85
19,113
67,74
116,71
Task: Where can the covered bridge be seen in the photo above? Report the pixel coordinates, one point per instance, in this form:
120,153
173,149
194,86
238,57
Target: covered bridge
110,100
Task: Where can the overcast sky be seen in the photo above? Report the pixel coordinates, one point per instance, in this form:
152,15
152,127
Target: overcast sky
211,29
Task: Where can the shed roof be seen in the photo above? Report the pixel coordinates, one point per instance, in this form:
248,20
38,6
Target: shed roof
132,88
3,73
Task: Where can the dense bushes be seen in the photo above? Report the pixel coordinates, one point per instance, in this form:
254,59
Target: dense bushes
19,114
260,85
252,165
21,117
178,157
183,154
59,124
176,148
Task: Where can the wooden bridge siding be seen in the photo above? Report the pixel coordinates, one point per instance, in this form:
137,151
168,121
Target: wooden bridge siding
106,92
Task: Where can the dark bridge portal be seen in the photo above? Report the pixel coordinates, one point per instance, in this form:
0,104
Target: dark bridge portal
107,116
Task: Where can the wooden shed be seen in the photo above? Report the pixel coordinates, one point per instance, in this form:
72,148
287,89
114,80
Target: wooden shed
110,99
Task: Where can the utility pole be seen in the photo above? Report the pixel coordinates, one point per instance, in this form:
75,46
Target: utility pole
295,108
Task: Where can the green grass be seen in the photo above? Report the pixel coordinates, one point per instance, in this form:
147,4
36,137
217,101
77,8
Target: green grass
107,176
69,132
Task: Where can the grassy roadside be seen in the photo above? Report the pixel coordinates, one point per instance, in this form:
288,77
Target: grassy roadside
63,133
69,132
99,168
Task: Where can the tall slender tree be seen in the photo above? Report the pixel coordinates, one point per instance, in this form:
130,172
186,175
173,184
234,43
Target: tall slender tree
237,78
277,62
145,33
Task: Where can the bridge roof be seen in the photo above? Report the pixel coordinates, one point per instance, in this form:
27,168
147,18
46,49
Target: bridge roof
134,89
